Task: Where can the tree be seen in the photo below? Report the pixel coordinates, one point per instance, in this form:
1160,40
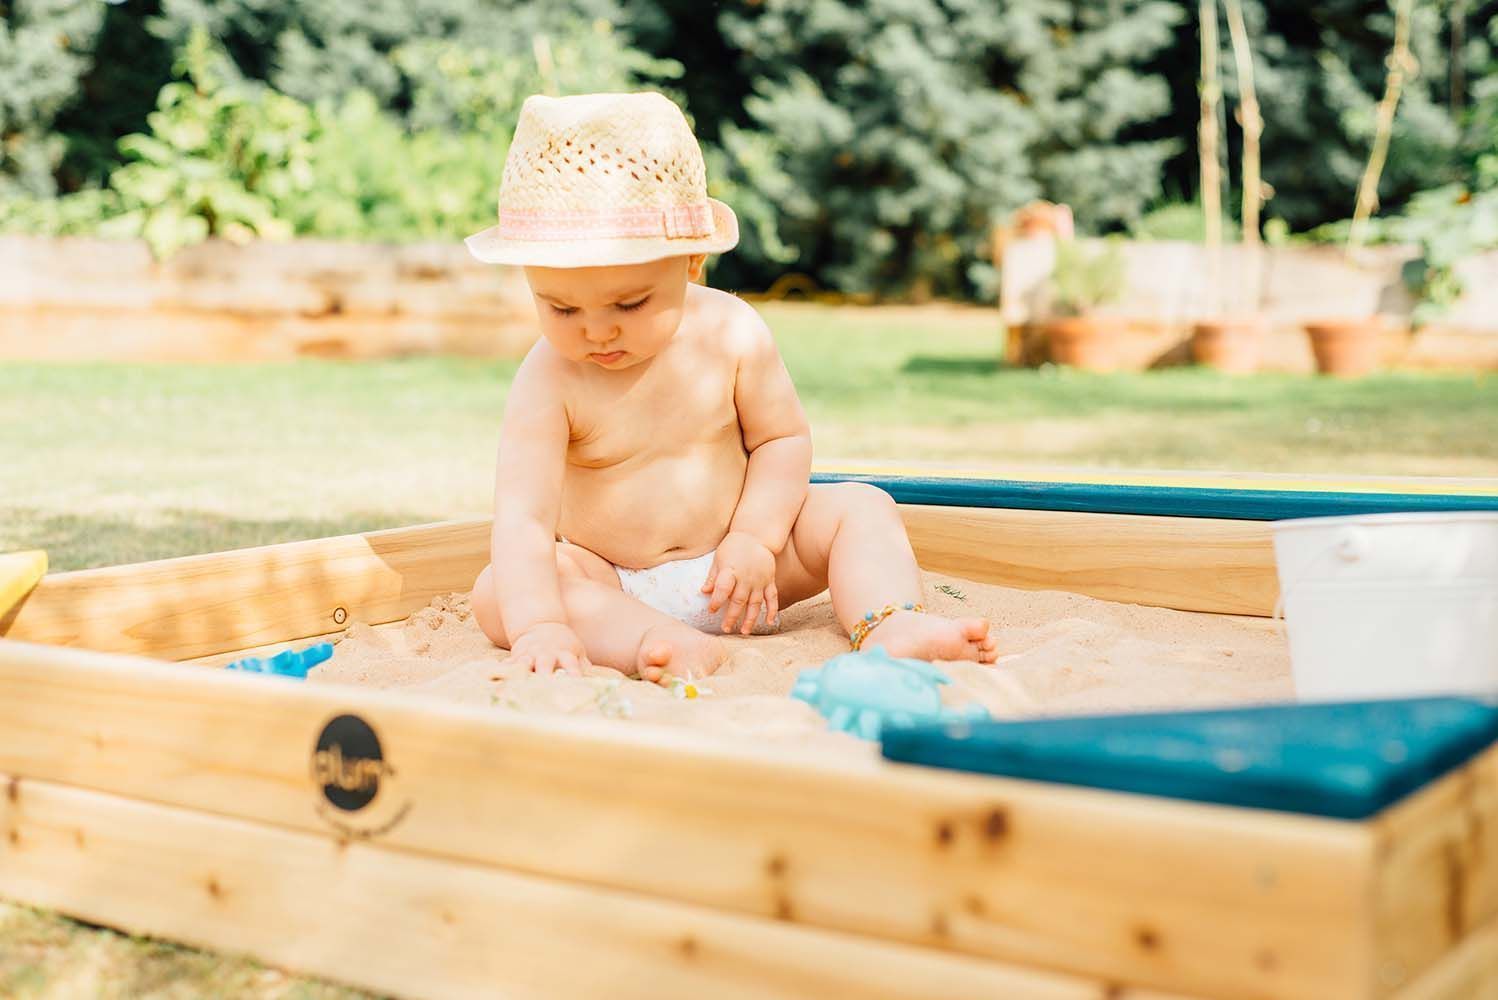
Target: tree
900,129
1320,69
46,46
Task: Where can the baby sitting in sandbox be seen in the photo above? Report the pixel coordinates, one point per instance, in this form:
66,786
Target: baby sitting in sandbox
651,487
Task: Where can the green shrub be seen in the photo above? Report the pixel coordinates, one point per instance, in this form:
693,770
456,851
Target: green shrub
1084,279
231,157
1180,221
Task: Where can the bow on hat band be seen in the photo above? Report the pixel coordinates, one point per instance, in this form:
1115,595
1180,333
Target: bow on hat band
672,222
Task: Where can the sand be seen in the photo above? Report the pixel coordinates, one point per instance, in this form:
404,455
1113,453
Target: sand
1060,654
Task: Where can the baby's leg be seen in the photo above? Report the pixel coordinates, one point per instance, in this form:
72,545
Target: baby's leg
617,630
849,538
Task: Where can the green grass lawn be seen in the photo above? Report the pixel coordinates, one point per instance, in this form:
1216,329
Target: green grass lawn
103,464
116,463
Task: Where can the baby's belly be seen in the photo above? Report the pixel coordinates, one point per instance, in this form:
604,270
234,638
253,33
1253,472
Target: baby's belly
652,510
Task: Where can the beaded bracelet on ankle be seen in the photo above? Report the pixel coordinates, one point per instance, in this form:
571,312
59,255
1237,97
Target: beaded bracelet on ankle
867,622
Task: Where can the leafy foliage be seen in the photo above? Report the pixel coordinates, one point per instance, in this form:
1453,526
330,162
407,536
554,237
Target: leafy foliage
1179,220
220,157
45,49
1084,279
1319,71
229,156
867,144
899,131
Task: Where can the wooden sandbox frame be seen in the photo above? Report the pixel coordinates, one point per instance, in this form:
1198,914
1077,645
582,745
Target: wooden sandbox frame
485,854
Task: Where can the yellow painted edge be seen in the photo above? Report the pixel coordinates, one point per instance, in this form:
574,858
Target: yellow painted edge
1191,480
19,572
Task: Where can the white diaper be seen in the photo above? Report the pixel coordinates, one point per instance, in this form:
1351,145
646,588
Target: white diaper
675,588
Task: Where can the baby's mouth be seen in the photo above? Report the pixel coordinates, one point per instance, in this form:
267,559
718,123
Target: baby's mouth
607,358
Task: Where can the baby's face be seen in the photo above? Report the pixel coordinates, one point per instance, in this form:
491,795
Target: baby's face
615,317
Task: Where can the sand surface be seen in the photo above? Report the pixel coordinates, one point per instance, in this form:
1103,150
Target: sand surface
1059,654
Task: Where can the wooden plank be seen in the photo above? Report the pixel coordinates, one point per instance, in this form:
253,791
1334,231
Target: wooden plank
1125,889
430,927
1437,880
219,602
197,606
1468,972
1192,564
1190,479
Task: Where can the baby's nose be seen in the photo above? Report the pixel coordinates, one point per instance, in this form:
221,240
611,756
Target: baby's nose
601,334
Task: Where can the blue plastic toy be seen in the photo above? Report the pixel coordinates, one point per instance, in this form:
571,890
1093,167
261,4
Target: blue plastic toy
291,663
860,693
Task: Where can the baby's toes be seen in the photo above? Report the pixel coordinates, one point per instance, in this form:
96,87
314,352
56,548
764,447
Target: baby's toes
974,630
655,657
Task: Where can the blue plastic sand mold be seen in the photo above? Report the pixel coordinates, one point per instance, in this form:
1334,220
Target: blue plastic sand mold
1347,760
860,693
292,663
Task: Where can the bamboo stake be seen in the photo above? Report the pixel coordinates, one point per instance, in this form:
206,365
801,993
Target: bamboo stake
541,48
1252,123
1458,63
1401,63
1211,178
1250,119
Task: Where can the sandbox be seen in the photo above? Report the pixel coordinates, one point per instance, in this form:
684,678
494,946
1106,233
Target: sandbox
423,847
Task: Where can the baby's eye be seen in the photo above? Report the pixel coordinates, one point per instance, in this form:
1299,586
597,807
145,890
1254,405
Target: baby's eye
628,307
564,310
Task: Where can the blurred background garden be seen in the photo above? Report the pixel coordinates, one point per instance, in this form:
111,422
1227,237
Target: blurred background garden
990,234
1021,237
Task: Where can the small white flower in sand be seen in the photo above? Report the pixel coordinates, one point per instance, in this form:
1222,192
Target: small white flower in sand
686,687
612,704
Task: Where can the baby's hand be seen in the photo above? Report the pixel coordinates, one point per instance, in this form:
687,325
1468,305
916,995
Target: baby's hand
549,646
743,577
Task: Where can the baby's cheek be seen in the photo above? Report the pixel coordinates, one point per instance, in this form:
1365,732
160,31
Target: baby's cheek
567,342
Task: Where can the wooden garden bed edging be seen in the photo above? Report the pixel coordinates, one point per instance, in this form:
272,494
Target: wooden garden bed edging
75,298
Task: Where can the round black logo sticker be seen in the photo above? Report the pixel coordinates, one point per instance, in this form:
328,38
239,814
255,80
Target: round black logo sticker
347,763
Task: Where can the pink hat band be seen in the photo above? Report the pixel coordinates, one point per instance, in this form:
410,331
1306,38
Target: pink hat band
671,222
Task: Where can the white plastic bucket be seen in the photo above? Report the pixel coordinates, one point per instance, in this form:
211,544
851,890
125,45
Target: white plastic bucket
1390,605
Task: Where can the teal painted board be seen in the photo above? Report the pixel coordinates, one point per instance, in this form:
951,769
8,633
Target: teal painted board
1173,501
1345,760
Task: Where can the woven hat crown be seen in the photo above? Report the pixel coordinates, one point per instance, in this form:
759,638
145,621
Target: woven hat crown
603,179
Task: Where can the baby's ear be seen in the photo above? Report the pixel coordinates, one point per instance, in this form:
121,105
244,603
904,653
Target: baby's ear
696,265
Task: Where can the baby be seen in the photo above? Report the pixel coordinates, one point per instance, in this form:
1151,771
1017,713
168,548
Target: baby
652,484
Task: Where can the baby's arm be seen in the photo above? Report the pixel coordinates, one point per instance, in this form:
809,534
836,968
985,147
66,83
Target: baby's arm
527,499
778,440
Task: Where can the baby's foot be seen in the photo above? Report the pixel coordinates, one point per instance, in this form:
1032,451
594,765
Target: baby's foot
679,650
930,637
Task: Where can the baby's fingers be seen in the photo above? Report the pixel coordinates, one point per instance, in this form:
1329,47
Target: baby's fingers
736,607
772,604
721,590
567,663
751,616
712,578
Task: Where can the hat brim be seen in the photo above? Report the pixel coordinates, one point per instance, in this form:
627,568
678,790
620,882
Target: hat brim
492,248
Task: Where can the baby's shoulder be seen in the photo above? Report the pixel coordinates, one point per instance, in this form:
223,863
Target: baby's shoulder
542,372
729,321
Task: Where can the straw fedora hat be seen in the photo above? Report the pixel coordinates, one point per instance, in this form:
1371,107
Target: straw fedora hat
603,179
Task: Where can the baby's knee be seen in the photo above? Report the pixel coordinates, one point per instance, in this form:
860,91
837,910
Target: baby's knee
865,498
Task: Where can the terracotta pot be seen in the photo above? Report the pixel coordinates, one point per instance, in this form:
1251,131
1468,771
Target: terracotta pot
1090,343
1229,344
1347,347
